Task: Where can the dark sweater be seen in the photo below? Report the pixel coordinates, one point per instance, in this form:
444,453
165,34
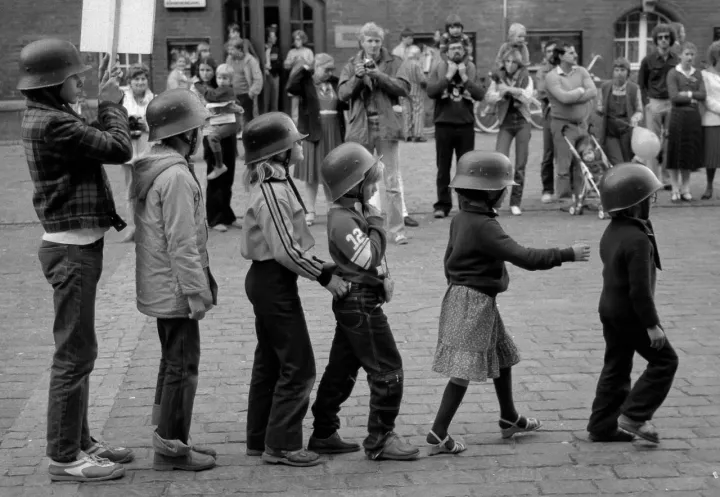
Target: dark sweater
630,259
216,95
356,244
478,249
454,99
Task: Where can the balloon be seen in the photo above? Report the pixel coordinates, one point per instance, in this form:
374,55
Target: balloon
645,143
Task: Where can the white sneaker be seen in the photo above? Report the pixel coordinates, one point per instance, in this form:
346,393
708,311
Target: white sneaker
238,223
515,210
547,198
401,239
85,468
220,227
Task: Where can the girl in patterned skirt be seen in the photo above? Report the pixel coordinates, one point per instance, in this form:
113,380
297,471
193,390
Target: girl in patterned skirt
472,342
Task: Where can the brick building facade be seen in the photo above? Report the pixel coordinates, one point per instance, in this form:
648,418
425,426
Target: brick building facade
598,27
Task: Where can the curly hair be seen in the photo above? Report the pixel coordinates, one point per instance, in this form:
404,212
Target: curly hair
663,28
300,34
136,70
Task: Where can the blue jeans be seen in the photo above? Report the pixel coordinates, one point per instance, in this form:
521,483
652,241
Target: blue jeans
177,376
515,127
74,272
363,338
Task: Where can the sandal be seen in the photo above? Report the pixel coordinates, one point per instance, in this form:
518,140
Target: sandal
456,446
531,424
642,429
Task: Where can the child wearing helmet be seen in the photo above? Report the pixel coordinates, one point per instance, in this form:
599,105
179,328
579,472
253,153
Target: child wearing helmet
628,250
173,281
363,339
277,240
472,342
74,204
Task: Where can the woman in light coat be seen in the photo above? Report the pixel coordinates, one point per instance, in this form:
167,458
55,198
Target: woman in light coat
711,118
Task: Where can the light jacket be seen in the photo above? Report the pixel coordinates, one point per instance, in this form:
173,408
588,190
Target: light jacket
391,84
170,235
711,116
521,80
633,105
253,75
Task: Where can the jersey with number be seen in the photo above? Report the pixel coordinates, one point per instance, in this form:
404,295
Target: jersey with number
356,245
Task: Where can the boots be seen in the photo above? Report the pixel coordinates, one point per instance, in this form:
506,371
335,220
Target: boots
173,454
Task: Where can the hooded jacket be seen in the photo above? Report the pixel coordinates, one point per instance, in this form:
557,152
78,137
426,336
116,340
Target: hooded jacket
171,235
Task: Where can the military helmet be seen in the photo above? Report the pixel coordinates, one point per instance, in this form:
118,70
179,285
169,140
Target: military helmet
174,112
345,166
626,185
268,135
479,170
49,62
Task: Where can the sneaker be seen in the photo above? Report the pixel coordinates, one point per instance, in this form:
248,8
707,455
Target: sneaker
220,227
439,214
217,172
85,468
515,210
410,222
299,458
237,223
401,239
104,450
547,198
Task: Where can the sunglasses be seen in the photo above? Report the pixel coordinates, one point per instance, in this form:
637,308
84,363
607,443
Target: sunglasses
663,37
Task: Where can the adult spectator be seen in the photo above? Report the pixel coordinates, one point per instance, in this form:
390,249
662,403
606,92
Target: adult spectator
513,92
547,167
406,41
711,118
652,79
247,76
298,56
372,82
273,66
570,89
620,105
453,85
414,104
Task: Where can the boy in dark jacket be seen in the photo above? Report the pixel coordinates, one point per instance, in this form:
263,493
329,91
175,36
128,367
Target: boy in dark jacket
363,337
73,201
627,310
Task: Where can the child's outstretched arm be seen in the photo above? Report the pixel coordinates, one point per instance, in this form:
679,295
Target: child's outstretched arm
496,243
364,250
639,265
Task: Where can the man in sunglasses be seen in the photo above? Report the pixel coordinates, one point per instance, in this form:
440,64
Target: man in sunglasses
652,79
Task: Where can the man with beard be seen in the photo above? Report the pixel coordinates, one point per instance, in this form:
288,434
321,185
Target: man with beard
372,82
570,89
547,167
453,85
652,79
620,105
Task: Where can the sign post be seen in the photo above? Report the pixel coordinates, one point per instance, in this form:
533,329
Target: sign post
117,26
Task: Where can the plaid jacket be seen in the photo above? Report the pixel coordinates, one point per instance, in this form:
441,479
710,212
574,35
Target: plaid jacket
66,156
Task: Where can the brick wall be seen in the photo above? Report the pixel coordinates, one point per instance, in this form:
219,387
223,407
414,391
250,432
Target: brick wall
596,18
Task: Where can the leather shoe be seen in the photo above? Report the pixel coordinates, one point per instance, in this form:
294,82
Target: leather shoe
410,222
334,444
394,449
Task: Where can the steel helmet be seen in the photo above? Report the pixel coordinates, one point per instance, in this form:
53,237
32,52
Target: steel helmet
345,166
626,185
478,170
174,112
49,62
268,135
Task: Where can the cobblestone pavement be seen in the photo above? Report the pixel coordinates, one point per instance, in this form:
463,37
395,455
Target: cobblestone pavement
552,316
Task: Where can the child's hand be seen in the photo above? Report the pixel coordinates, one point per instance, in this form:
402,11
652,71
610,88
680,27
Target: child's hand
582,252
338,287
370,210
657,337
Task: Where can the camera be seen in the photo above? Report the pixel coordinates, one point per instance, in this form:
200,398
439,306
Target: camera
136,126
370,64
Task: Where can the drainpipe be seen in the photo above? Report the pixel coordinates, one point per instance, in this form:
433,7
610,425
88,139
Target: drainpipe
505,20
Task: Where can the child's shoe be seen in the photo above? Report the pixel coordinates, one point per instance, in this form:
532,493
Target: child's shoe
617,436
642,429
217,172
394,449
508,428
220,227
448,445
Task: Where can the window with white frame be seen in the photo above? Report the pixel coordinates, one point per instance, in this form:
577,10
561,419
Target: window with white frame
125,60
633,35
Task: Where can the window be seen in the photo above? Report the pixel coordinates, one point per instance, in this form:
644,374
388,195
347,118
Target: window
301,18
125,61
536,41
632,35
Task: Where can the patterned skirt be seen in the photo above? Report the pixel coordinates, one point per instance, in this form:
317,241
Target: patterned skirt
472,342
712,147
314,152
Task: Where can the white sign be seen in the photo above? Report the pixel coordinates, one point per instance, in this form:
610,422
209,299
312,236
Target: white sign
135,28
185,4
347,36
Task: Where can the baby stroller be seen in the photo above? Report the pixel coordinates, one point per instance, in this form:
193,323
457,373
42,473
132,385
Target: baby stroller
591,174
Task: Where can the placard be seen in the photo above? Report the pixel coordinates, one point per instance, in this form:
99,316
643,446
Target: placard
347,36
135,28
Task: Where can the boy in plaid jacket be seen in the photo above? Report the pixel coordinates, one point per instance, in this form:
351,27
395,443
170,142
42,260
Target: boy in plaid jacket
73,201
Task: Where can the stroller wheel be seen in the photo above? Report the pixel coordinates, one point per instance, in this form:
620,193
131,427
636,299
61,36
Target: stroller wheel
572,210
601,214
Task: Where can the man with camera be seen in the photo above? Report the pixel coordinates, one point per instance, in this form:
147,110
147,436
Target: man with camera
372,83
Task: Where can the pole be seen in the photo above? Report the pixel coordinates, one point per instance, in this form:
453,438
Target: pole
505,19
115,13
